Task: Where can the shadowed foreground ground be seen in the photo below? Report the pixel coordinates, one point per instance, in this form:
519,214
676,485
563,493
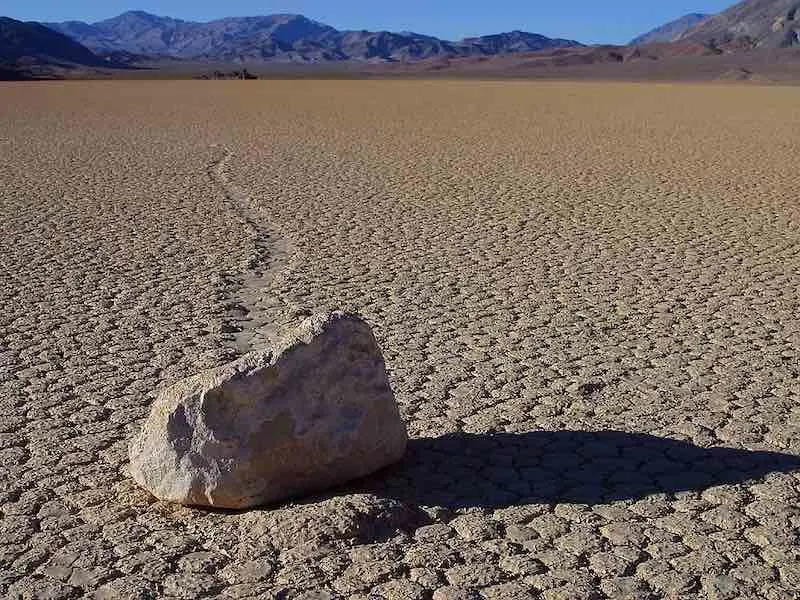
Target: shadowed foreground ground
576,467
587,296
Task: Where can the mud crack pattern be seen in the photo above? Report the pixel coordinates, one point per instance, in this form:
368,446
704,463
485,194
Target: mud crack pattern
587,296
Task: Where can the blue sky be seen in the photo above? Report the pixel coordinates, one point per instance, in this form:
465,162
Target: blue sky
584,20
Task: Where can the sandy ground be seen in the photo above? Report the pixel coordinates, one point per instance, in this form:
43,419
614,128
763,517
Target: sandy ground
587,295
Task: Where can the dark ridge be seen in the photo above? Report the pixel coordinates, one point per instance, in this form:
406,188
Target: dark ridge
33,43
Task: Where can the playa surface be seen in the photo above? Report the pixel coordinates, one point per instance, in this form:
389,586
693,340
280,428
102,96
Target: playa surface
587,296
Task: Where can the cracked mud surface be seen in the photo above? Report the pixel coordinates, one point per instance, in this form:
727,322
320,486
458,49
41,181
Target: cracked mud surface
587,297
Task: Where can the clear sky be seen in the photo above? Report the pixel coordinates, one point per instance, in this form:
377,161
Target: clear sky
588,21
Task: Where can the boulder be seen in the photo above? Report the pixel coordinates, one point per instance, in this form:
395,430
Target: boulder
313,411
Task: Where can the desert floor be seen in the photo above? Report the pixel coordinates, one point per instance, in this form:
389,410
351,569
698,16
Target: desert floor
588,298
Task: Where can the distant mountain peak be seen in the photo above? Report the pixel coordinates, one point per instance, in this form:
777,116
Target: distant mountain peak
140,15
510,42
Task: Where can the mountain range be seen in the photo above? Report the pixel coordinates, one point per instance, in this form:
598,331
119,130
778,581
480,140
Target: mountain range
282,37
139,39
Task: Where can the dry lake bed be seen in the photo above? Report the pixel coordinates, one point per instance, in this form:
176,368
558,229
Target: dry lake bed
587,295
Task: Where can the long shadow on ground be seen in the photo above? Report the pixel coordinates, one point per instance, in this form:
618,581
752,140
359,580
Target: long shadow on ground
584,467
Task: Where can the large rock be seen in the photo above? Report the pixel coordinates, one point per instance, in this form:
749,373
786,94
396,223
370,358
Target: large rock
314,411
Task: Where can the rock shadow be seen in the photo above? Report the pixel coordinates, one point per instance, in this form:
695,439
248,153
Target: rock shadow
583,467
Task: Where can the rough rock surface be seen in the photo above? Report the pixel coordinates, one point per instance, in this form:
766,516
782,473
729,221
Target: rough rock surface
314,411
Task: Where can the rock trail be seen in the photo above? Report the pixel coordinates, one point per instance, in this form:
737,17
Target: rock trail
258,312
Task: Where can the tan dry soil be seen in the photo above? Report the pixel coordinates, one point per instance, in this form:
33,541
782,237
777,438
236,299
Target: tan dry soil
587,295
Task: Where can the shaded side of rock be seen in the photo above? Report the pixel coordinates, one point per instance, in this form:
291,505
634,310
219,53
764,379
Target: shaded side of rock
314,411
